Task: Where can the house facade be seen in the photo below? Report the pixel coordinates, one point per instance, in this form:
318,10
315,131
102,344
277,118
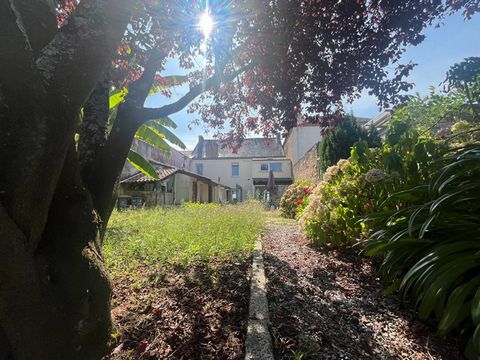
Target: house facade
245,170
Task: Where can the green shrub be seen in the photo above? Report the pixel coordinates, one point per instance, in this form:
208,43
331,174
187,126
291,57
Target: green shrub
337,202
431,246
358,186
294,199
336,142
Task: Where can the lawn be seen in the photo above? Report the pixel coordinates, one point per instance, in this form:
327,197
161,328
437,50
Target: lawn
181,280
181,235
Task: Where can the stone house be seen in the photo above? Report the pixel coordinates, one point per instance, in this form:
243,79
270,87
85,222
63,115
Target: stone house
245,170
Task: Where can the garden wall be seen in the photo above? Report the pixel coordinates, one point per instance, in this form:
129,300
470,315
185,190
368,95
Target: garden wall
307,166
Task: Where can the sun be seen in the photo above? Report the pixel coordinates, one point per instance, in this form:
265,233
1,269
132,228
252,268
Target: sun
205,23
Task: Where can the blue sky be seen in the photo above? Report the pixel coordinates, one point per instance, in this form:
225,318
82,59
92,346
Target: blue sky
442,47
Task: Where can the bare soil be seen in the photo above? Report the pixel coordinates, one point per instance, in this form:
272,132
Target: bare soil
195,312
328,304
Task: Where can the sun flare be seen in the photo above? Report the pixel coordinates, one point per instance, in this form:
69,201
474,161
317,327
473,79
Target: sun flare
205,23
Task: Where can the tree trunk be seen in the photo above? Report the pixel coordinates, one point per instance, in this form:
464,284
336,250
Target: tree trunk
54,294
55,301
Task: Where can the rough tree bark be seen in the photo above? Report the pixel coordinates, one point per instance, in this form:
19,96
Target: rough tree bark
54,296
56,198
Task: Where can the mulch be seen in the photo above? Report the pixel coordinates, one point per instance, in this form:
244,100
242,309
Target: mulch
328,304
195,312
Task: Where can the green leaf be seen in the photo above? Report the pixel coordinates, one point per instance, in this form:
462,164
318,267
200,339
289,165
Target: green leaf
453,313
476,308
141,164
444,278
152,137
165,121
117,97
171,137
168,82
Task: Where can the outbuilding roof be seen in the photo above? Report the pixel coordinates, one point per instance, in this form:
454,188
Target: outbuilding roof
164,171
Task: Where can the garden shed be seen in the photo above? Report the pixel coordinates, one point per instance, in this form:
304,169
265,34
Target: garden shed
172,187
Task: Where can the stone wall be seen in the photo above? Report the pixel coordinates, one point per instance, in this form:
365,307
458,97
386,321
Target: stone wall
307,166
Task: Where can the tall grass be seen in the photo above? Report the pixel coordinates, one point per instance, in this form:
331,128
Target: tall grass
181,235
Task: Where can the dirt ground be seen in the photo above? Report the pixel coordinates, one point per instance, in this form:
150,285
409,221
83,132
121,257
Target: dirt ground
327,304
195,312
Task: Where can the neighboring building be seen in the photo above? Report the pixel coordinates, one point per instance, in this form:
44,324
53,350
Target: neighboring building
301,145
380,122
173,187
246,170
175,158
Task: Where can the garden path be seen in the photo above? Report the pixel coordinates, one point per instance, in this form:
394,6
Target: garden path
328,304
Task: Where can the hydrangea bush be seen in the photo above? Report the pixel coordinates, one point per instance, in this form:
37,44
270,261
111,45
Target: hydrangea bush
295,198
356,187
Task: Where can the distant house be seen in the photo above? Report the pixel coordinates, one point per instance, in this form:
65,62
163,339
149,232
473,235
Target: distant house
245,170
173,186
380,122
214,172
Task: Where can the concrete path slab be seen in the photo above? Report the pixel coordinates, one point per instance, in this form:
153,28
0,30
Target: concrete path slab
258,345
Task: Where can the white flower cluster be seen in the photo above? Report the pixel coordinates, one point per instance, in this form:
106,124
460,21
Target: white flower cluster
315,209
343,164
375,175
330,173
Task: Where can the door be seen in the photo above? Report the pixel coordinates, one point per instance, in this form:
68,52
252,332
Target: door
194,191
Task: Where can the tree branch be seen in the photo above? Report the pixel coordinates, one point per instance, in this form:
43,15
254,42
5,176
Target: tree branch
39,21
40,107
16,57
156,113
75,59
130,117
93,129
106,168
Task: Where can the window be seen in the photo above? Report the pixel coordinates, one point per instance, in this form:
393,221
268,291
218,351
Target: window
170,184
264,167
235,169
277,167
199,169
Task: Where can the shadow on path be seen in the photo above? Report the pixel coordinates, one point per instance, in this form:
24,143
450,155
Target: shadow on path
327,304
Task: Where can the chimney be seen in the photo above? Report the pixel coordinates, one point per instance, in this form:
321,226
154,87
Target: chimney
199,153
211,149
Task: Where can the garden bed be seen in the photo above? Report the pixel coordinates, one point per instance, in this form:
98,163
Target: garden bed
181,281
327,304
